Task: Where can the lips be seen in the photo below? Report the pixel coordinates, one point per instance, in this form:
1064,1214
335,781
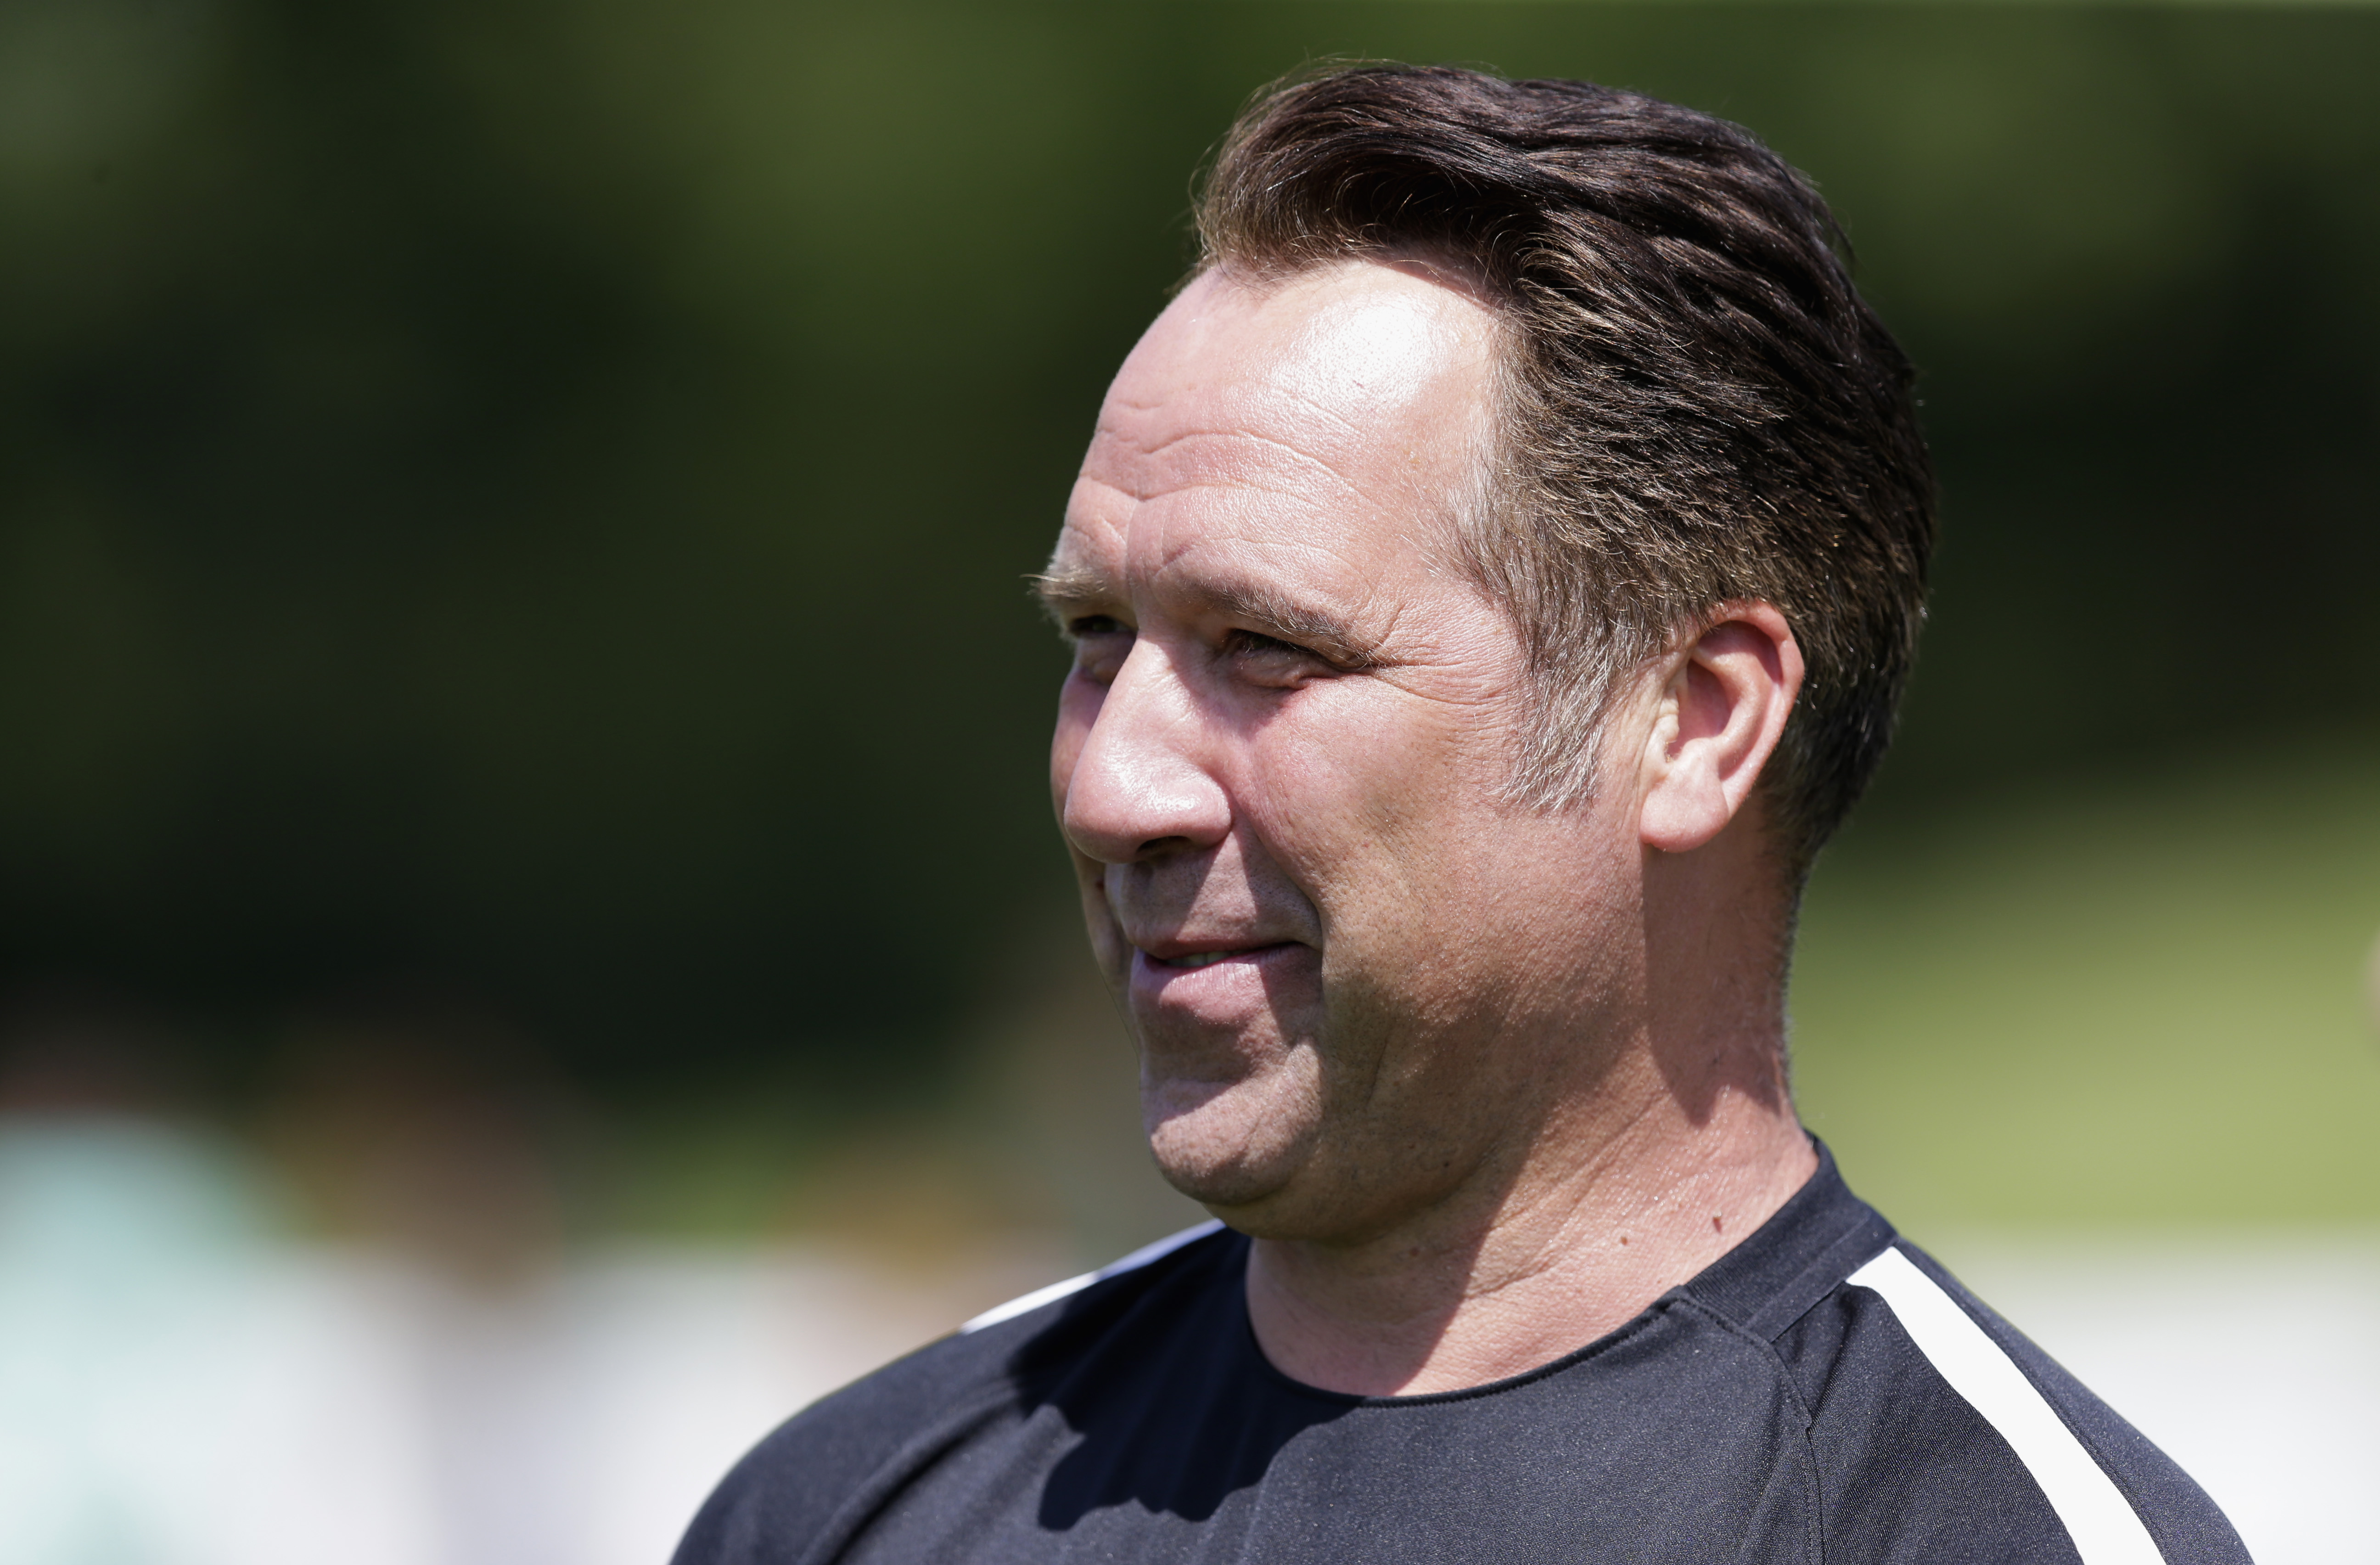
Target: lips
1180,960
1218,993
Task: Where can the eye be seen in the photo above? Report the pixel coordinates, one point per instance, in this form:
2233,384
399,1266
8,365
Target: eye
1268,660
1244,643
1102,643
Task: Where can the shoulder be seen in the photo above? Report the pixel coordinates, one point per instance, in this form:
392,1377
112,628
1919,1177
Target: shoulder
1936,1431
1942,1433
824,1471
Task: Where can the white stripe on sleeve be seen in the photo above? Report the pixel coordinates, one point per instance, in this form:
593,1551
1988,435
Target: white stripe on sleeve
2104,1530
1058,1291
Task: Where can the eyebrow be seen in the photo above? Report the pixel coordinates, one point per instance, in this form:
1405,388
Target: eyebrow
1067,591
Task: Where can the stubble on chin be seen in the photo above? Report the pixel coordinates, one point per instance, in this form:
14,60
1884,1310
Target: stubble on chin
1233,1143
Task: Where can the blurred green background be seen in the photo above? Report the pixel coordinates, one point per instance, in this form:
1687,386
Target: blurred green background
509,580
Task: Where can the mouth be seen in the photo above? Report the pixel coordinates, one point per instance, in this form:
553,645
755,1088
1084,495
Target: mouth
1208,987
1182,961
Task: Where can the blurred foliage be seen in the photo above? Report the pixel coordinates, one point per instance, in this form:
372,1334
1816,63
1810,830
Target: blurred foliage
526,499
2148,998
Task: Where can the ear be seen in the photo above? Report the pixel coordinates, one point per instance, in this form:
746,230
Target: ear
1717,718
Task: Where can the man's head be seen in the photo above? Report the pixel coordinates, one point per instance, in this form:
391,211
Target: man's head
1441,577
1694,406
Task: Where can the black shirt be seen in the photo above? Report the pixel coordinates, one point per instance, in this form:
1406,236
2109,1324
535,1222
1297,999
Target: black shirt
1821,1392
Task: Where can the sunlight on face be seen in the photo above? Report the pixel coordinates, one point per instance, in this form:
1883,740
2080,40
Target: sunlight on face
1281,754
1371,356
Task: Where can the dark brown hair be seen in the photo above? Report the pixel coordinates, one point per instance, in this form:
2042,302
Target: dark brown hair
1698,407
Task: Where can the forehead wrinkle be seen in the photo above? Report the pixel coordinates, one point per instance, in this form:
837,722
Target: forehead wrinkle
1134,526
1306,401
1077,571
1216,470
1148,514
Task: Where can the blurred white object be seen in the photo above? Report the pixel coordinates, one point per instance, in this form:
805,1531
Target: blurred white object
173,1388
672,1366
176,1388
2252,1359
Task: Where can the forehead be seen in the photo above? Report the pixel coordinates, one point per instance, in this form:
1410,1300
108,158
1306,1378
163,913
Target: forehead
1333,416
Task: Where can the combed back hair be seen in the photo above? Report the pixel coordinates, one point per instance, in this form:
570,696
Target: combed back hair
1698,409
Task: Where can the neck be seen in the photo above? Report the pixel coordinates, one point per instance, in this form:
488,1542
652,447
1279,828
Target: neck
1473,1291
1639,1173
1644,1174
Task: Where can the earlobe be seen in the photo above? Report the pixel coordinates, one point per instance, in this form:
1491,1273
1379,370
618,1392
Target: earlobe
1722,708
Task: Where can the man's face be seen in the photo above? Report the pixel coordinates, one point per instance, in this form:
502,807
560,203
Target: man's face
1281,755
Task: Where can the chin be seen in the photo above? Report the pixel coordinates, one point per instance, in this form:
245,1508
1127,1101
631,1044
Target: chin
1229,1145
1222,1191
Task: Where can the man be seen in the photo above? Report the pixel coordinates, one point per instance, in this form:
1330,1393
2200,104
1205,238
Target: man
1490,581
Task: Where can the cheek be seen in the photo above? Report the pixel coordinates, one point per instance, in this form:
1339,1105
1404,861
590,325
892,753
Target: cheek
1348,819
1356,783
1432,893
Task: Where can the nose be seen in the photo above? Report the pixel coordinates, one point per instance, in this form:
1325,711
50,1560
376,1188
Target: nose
1140,787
